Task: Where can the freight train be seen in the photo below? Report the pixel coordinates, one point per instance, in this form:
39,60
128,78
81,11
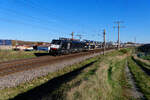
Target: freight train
67,46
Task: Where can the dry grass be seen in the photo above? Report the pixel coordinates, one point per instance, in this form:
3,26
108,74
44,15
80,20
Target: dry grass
9,93
147,62
91,89
141,78
104,80
108,83
7,55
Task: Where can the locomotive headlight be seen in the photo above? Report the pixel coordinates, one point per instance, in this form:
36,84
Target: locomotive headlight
55,47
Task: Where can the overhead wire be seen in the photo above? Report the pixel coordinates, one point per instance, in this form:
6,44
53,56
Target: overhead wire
22,23
36,4
45,10
32,18
10,11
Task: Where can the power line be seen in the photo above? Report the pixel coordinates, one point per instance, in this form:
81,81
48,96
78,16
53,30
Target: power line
118,26
135,39
38,6
104,42
34,5
72,35
32,18
35,2
31,5
23,23
80,36
23,15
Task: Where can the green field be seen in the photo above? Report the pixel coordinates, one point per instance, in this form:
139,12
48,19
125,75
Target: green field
8,55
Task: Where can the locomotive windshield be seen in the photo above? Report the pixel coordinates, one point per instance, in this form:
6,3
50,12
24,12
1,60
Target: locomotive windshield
57,42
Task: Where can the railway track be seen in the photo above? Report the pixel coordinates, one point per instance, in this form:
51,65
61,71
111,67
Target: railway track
11,67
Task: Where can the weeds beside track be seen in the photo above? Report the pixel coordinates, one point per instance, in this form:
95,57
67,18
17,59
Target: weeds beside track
141,78
22,88
98,78
104,80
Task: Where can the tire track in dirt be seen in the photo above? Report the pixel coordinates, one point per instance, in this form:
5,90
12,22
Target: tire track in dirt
135,90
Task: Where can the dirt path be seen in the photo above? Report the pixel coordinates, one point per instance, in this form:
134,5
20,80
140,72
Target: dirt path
135,91
145,61
145,68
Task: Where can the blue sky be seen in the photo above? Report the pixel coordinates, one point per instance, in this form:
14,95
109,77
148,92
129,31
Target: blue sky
43,20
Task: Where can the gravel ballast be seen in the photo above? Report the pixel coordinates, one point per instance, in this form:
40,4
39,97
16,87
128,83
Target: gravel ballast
15,79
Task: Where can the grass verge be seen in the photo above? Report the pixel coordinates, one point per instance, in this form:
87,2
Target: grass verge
86,82
141,78
7,55
142,63
8,93
104,80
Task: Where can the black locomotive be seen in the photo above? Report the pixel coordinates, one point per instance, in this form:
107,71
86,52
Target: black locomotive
66,46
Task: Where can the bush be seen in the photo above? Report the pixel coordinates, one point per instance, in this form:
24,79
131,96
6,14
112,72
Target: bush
123,51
